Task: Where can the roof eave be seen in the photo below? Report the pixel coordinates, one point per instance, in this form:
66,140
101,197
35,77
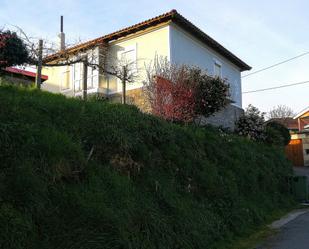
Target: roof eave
302,112
173,16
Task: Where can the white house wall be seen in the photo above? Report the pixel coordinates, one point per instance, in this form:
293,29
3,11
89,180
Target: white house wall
55,77
185,49
147,45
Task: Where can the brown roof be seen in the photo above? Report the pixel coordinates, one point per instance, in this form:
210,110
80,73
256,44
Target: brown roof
173,16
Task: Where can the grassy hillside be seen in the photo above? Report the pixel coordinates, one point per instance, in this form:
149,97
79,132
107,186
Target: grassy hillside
96,175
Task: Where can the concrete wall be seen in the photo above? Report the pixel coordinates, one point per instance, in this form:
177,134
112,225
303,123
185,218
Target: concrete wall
225,118
186,49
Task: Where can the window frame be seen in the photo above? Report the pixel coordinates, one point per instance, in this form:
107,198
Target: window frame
66,69
127,49
217,63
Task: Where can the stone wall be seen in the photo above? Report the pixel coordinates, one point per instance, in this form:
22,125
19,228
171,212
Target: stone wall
17,81
133,97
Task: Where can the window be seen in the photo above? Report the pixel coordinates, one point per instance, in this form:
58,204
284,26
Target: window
307,151
128,57
217,69
92,73
77,69
66,79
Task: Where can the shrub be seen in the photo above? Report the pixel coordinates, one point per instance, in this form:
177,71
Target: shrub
277,133
251,124
173,101
183,93
210,93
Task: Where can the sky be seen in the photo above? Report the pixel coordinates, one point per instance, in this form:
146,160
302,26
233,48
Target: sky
261,33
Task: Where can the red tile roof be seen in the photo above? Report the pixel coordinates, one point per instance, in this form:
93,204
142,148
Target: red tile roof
24,72
173,16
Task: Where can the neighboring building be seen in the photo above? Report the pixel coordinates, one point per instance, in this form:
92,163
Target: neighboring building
298,149
303,119
17,76
169,36
290,123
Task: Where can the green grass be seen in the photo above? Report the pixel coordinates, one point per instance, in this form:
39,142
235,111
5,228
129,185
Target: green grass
148,183
258,235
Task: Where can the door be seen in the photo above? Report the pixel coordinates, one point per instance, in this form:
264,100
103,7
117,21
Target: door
294,152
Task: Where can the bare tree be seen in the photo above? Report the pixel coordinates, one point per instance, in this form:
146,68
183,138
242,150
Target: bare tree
124,70
281,111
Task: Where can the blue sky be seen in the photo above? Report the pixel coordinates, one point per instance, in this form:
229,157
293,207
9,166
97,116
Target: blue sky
259,32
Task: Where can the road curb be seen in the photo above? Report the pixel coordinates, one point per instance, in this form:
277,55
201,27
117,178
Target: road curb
288,218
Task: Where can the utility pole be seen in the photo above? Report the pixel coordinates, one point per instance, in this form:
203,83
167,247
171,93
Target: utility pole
38,78
85,72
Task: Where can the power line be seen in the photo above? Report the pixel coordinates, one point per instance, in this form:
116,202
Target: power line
277,87
277,64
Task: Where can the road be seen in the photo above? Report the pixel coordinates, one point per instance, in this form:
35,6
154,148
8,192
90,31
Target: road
293,235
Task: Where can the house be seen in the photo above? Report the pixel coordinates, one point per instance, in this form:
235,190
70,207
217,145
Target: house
289,122
170,36
18,76
298,148
303,119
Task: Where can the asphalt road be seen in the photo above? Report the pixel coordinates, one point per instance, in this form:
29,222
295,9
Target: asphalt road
293,235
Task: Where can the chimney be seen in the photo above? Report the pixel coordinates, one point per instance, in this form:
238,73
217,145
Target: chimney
61,36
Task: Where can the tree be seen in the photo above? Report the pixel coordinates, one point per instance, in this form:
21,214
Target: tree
182,93
13,50
277,133
123,70
251,124
211,93
173,101
281,111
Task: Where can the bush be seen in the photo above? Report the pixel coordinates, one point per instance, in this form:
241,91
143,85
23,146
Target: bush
77,174
184,93
251,124
277,133
211,93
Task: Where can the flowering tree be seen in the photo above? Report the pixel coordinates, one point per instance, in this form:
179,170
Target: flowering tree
173,101
251,124
181,93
